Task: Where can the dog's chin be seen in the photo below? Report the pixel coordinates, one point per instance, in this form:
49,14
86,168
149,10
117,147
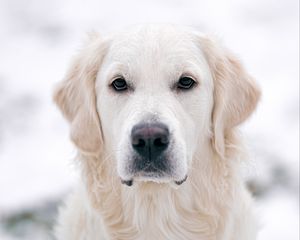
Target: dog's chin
152,178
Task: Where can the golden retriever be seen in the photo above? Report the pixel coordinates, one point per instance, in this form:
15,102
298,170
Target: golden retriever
153,112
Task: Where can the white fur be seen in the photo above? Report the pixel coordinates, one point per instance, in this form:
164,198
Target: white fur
213,203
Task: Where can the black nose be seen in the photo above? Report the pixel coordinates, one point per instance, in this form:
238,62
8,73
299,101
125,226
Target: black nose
150,140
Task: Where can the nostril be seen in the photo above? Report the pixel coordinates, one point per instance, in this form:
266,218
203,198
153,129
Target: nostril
160,142
140,143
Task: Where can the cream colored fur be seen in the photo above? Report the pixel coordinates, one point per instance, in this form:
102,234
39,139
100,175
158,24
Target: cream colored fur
213,204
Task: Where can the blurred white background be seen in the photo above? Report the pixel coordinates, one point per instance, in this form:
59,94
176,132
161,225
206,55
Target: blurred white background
37,40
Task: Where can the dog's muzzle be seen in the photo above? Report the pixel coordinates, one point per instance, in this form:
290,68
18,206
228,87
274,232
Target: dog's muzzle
150,142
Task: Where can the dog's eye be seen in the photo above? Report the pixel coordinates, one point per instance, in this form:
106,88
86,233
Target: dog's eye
185,83
119,84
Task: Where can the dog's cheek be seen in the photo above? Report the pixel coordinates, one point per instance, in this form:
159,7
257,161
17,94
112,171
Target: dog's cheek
122,144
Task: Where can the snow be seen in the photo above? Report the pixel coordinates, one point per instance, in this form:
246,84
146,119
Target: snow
279,220
38,39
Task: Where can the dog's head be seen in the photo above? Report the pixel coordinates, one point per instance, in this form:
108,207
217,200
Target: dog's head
153,97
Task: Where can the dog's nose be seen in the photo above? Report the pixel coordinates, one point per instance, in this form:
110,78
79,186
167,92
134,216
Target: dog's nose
150,140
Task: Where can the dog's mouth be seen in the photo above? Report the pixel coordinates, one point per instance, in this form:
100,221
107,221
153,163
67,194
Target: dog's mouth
127,182
181,181
131,181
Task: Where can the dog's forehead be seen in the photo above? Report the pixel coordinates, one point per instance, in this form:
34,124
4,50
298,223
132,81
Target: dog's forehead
155,45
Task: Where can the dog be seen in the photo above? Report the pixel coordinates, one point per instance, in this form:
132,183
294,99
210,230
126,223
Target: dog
153,112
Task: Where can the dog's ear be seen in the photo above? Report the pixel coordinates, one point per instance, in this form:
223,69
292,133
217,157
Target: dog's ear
235,93
76,98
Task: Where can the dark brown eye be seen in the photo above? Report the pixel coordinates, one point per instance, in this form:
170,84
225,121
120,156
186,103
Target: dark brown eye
119,84
185,83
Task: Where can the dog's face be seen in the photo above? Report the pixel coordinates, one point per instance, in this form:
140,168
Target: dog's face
151,98
154,97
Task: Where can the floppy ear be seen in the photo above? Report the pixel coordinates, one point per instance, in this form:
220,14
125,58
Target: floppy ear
76,98
235,93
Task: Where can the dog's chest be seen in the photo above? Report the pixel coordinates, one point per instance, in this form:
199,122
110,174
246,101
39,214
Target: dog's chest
162,230
168,219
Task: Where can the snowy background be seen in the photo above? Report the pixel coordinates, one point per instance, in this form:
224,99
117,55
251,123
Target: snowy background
37,40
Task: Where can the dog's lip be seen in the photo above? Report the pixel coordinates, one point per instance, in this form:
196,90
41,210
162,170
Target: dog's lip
181,181
127,182
130,182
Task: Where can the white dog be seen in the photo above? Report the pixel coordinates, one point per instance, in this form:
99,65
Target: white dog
153,113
